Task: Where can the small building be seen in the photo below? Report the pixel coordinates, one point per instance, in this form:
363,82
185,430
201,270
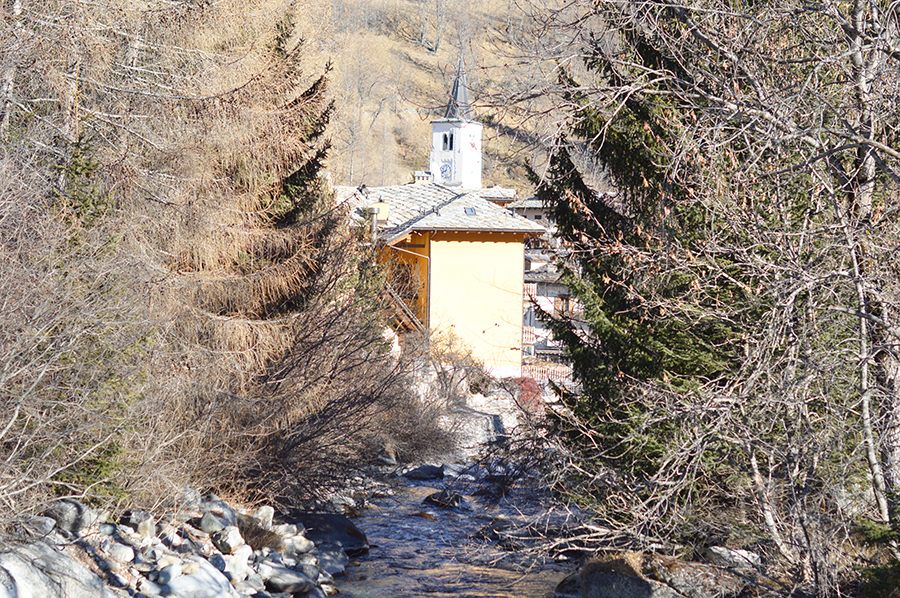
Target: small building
531,208
545,292
454,255
544,356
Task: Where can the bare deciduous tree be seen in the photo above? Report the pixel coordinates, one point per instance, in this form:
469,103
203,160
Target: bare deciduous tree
748,256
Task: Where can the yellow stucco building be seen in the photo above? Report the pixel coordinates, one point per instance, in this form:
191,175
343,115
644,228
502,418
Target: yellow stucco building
456,257
457,263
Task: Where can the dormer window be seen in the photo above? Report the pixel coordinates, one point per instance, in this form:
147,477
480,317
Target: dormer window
469,211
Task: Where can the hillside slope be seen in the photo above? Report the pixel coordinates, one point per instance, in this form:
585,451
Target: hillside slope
394,62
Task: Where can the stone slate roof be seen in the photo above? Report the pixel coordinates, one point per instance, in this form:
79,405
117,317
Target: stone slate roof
546,273
541,255
530,202
432,207
500,195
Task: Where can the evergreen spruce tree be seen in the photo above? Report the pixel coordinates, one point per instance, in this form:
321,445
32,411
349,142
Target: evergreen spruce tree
739,344
641,315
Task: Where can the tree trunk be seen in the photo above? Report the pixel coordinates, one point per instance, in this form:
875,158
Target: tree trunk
7,85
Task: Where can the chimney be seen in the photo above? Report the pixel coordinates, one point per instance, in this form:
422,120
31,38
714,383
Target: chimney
378,214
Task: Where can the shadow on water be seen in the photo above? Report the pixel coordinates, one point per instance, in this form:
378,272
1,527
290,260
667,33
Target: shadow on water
422,550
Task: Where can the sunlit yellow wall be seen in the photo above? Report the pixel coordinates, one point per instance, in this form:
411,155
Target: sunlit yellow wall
476,291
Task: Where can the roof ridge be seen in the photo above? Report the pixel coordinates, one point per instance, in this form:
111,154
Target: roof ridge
434,209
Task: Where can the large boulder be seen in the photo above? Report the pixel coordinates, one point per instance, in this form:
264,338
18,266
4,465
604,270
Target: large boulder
71,515
616,578
331,528
636,575
279,578
205,582
425,472
734,558
693,580
39,571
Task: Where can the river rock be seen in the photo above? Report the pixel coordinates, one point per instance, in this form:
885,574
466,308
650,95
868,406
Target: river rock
211,524
40,571
298,545
39,526
217,560
309,565
168,573
346,504
164,560
71,515
212,504
228,540
188,499
332,558
206,582
448,499
134,517
237,565
331,528
147,528
288,529
253,582
733,558
425,472
264,515
107,528
188,546
317,592
635,575
120,552
148,588
152,554
281,579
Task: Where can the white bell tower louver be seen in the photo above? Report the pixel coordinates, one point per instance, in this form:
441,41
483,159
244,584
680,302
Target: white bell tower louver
456,140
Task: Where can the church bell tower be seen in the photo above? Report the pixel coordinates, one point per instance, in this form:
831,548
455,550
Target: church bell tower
456,141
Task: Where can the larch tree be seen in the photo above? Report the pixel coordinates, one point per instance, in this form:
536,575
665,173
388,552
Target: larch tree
181,300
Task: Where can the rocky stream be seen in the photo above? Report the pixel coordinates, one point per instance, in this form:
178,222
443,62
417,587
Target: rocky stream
440,538
460,529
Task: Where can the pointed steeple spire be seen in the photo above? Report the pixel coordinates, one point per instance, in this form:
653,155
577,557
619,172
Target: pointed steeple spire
456,140
458,107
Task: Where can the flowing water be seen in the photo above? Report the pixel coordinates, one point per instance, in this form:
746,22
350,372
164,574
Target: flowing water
420,550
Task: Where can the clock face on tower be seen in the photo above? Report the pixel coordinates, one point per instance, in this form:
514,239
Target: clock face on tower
445,170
